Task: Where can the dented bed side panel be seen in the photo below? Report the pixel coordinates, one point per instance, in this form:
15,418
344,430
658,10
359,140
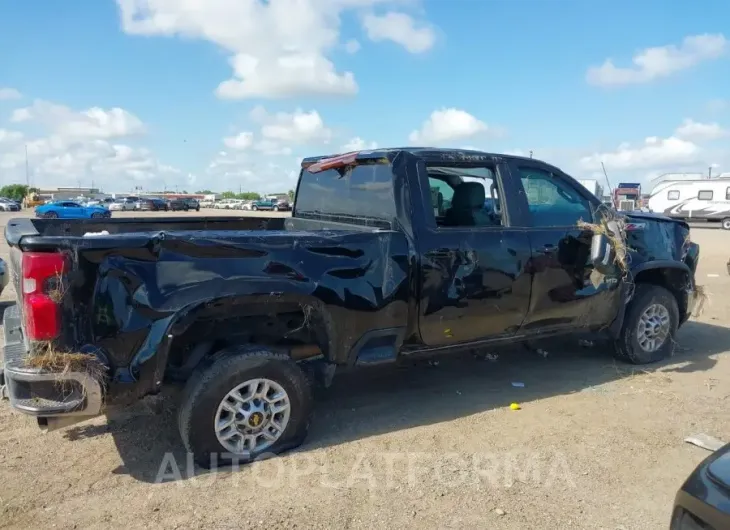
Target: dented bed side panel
353,282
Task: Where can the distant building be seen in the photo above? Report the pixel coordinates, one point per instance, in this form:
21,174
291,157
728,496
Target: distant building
70,193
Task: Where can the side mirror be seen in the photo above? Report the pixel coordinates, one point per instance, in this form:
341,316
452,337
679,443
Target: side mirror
602,254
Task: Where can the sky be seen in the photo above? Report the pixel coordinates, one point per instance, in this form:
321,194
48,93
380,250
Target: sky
231,94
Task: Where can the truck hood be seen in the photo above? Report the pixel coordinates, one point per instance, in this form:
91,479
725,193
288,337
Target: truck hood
640,217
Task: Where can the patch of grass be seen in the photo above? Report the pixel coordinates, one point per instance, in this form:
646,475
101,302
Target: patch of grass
616,235
50,359
703,298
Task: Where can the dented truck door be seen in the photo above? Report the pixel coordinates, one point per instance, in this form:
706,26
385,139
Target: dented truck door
472,275
565,291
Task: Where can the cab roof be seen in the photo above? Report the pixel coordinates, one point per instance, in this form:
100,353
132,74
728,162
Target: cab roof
430,155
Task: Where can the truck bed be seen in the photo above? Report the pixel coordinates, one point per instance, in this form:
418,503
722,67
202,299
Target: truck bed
143,290
37,233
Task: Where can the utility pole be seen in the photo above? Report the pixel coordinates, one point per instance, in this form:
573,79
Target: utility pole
709,172
27,174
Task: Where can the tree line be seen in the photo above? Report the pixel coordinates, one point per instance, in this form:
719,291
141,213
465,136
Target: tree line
16,192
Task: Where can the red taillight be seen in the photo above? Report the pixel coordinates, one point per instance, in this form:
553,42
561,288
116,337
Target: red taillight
334,162
42,274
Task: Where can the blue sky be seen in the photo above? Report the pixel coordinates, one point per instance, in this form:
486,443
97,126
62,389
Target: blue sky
509,75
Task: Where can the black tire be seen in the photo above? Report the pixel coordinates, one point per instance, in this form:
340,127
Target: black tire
276,208
51,215
210,384
626,347
726,223
254,207
197,209
97,215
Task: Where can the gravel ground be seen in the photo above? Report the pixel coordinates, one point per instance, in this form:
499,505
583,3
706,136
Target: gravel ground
596,445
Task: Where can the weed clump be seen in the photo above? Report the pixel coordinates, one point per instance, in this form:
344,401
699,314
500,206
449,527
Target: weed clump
50,359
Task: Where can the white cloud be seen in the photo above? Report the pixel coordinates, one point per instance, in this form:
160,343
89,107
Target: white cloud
9,93
299,127
277,49
91,123
358,144
692,130
242,140
272,148
659,62
71,148
445,125
401,29
245,162
654,153
352,46
8,137
238,170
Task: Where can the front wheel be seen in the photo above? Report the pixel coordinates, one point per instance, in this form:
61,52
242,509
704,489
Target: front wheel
248,403
649,326
51,215
97,215
276,208
726,223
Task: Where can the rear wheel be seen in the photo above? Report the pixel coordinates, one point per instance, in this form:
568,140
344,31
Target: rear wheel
726,223
248,403
51,215
254,207
649,327
97,215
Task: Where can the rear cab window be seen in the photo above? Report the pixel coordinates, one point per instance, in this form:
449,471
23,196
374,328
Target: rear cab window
356,194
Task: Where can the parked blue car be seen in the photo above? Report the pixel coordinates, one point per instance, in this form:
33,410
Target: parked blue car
71,210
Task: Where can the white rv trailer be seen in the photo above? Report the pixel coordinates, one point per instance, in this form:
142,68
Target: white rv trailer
706,200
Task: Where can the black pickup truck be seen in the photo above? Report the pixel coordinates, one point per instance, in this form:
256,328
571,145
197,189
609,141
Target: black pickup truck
388,253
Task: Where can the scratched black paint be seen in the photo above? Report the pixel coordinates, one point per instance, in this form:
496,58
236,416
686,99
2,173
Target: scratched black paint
342,275
136,289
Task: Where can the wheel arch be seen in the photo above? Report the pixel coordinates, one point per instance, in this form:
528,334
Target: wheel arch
674,276
298,324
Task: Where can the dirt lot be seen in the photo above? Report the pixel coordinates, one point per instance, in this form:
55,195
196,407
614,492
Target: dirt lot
596,445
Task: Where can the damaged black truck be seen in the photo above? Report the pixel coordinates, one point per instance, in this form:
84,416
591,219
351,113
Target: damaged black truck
388,253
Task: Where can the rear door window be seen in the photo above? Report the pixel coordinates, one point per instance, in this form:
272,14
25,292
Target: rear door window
348,194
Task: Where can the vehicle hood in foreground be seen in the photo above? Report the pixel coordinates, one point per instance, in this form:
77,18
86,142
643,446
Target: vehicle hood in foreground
705,494
656,217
